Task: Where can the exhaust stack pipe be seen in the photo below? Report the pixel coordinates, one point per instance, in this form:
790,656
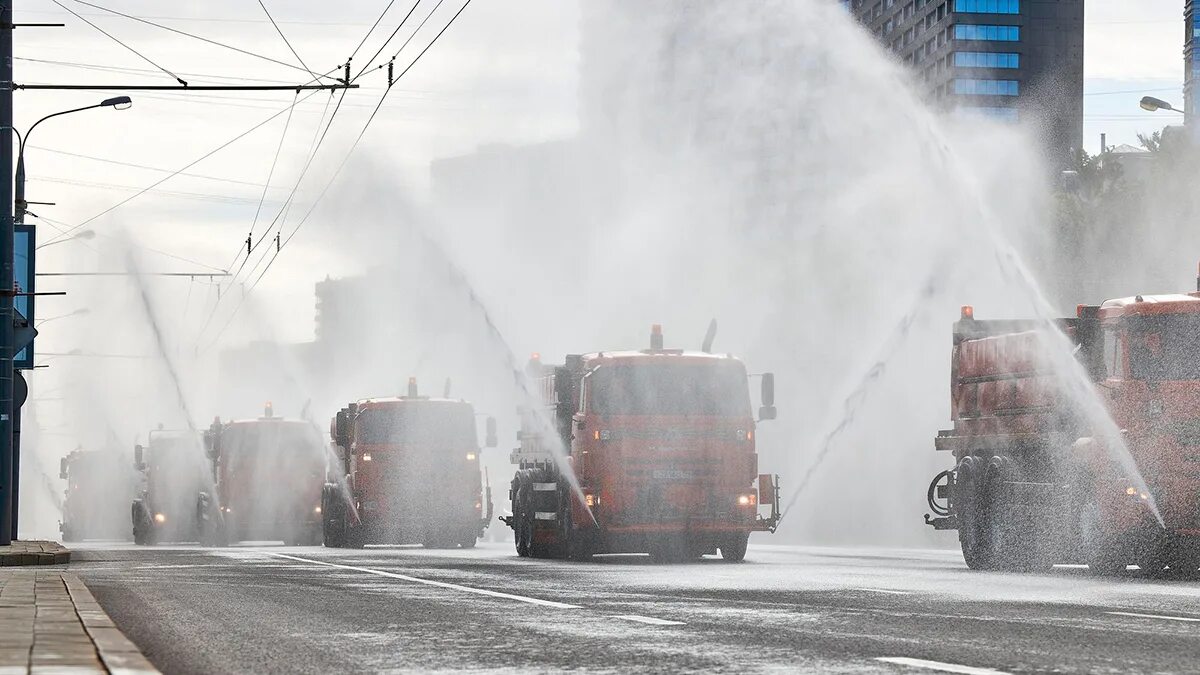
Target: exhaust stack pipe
709,337
656,337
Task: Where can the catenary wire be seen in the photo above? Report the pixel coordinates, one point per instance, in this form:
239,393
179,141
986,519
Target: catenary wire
285,40
193,36
118,41
333,178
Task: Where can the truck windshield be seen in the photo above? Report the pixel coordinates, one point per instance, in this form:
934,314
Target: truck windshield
448,425
716,389
271,442
1165,348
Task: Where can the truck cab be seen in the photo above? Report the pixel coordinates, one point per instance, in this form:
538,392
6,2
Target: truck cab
641,451
93,478
1151,384
173,469
268,475
410,474
1106,474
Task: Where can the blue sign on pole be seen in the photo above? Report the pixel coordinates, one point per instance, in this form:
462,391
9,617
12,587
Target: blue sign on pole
24,243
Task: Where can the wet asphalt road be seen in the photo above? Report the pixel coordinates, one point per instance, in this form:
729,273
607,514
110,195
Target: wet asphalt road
290,610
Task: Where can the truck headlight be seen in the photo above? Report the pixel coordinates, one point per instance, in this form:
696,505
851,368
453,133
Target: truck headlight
747,500
160,518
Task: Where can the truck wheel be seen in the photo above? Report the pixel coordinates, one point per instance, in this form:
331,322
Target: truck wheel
734,548
523,517
973,535
1017,539
467,540
356,536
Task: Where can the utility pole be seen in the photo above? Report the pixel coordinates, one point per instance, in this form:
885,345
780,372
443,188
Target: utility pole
6,272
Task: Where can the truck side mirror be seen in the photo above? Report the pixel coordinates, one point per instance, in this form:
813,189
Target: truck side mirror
767,411
340,429
490,439
210,443
62,468
137,457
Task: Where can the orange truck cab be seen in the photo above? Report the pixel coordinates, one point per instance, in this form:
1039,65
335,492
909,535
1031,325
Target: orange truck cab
1035,484
268,475
173,467
641,452
93,478
410,474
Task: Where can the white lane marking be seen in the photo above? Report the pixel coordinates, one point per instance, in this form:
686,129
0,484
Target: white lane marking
648,619
937,665
882,590
429,582
1156,616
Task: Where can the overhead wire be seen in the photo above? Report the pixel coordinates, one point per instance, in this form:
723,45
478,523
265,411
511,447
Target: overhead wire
270,174
114,38
59,225
137,71
193,162
387,41
285,40
145,166
319,137
194,37
375,25
342,165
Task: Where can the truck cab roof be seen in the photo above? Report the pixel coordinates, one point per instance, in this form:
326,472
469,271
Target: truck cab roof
391,401
1171,303
656,356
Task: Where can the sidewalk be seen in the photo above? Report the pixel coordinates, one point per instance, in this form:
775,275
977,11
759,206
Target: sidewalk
34,553
50,623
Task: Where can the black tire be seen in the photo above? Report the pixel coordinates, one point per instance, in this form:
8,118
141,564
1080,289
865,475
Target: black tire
522,516
1018,541
143,528
468,540
974,538
734,548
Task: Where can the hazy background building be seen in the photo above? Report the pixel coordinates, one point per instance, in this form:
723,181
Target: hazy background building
1014,60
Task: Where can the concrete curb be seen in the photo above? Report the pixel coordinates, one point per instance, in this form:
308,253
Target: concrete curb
34,553
118,654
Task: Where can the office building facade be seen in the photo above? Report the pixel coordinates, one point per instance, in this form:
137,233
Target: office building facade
1191,63
1010,60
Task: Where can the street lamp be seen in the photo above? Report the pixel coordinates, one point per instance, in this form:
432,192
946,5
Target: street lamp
1155,104
117,103
86,234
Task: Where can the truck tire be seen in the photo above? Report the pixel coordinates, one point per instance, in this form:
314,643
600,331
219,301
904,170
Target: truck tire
973,535
1017,540
143,528
734,548
522,516
468,540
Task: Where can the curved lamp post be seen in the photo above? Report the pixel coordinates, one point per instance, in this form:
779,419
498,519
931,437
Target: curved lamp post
117,103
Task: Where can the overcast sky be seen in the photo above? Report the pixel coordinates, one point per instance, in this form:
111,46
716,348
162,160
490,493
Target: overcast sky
504,73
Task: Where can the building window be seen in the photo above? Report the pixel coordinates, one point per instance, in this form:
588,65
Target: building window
988,6
970,87
971,31
987,60
990,112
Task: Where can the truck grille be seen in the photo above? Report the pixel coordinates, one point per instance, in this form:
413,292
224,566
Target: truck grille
1187,433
